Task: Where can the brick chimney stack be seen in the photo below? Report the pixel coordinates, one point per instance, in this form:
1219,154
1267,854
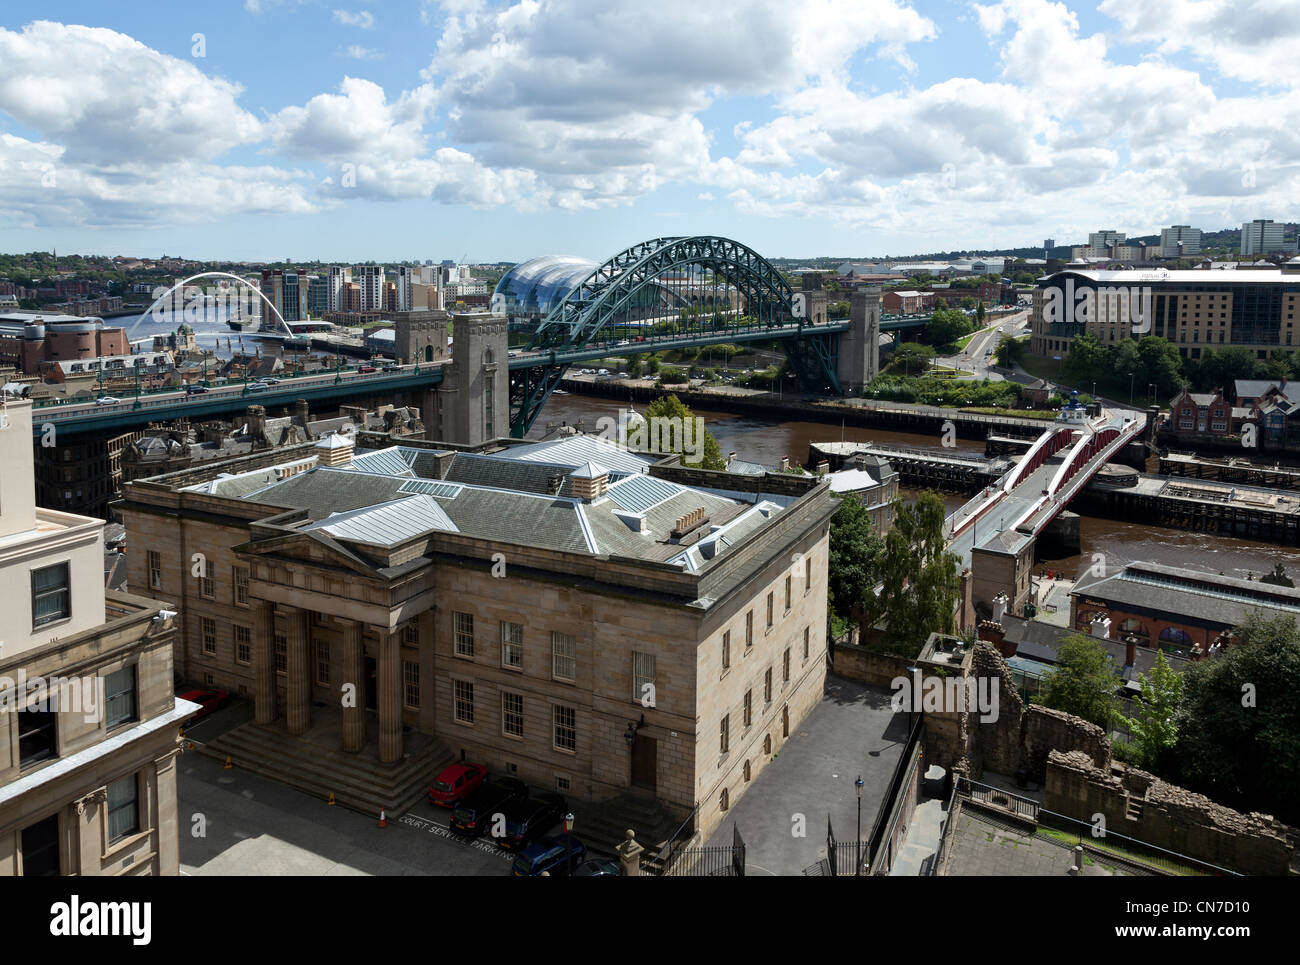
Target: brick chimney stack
995,633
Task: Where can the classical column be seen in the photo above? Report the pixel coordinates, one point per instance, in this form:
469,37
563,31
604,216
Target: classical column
428,718
352,669
264,660
298,633
389,667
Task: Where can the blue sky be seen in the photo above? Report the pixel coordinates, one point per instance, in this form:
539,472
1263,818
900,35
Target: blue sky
503,130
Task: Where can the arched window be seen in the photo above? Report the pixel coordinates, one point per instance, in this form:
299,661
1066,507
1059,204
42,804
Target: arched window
747,772
767,743
487,357
724,800
1175,639
428,353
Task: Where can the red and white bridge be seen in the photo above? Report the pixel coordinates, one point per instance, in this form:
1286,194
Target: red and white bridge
1060,463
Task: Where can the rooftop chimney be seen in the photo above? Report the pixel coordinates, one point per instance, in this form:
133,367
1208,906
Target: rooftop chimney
334,450
994,633
589,481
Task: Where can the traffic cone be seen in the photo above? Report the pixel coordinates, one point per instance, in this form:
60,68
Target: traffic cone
383,818
228,765
331,800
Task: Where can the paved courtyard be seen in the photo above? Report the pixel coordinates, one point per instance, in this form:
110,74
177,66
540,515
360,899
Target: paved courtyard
851,732
255,826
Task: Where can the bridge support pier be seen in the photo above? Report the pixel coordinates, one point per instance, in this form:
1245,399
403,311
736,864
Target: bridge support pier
859,356
476,403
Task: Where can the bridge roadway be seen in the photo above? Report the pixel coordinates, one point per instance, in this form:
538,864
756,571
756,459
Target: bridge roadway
130,410
1031,494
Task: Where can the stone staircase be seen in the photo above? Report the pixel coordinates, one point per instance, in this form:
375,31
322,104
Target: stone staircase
357,781
604,826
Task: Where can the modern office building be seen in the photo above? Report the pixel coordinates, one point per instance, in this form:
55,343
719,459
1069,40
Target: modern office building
372,287
1262,237
404,277
288,292
1253,309
1180,241
1105,238
338,278
89,723
568,611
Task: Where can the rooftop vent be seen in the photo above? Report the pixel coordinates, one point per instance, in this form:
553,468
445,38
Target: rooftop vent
334,450
590,481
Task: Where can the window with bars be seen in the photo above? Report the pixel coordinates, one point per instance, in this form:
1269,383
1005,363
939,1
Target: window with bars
155,569
119,697
566,728
726,650
512,645
123,808
464,701
724,734
512,714
239,584
208,632
243,644
322,662
411,684
51,594
748,717
564,656
281,653
767,685
464,626
644,689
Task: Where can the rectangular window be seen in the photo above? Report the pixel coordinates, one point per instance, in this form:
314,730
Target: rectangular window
749,629
769,609
239,581
767,685
51,599
464,691
807,574
119,697
281,653
512,645
566,728
208,631
512,714
785,667
37,730
788,581
724,734
123,809
749,707
564,656
411,684
322,662
726,650
643,678
155,569
243,644
464,634
207,588
806,635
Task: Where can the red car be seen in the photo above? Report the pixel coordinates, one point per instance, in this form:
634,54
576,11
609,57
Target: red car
367,369
455,782
210,700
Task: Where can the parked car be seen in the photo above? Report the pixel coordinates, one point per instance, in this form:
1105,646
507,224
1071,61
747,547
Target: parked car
555,856
211,699
596,868
107,400
530,818
195,389
367,369
267,380
475,812
392,367
456,781
257,386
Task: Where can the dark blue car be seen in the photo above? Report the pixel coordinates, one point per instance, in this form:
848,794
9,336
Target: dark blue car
555,856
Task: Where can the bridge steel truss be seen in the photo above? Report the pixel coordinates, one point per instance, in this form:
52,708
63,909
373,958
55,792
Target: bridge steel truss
619,287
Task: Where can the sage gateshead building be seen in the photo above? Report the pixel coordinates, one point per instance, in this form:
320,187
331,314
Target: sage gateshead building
531,289
1250,308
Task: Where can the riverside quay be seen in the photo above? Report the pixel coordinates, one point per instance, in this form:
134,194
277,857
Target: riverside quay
572,613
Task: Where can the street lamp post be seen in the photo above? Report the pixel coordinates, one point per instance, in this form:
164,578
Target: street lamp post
1130,388
568,843
857,868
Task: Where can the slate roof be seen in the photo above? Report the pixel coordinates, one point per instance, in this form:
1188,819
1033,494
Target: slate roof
387,524
1040,641
573,451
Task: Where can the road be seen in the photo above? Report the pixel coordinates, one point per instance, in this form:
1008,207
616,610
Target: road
973,359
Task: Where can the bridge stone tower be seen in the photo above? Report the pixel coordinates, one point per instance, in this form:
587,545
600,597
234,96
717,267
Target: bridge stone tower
814,297
860,345
421,336
474,398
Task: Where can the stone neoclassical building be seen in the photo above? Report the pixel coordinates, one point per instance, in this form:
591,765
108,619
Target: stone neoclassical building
89,722
567,611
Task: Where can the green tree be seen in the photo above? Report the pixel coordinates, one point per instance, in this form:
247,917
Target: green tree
671,407
854,564
911,358
1009,351
1155,727
1084,682
1239,723
979,315
919,577
946,326
1163,364
1087,358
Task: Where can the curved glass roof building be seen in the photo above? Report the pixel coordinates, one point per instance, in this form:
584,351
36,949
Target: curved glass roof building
535,286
